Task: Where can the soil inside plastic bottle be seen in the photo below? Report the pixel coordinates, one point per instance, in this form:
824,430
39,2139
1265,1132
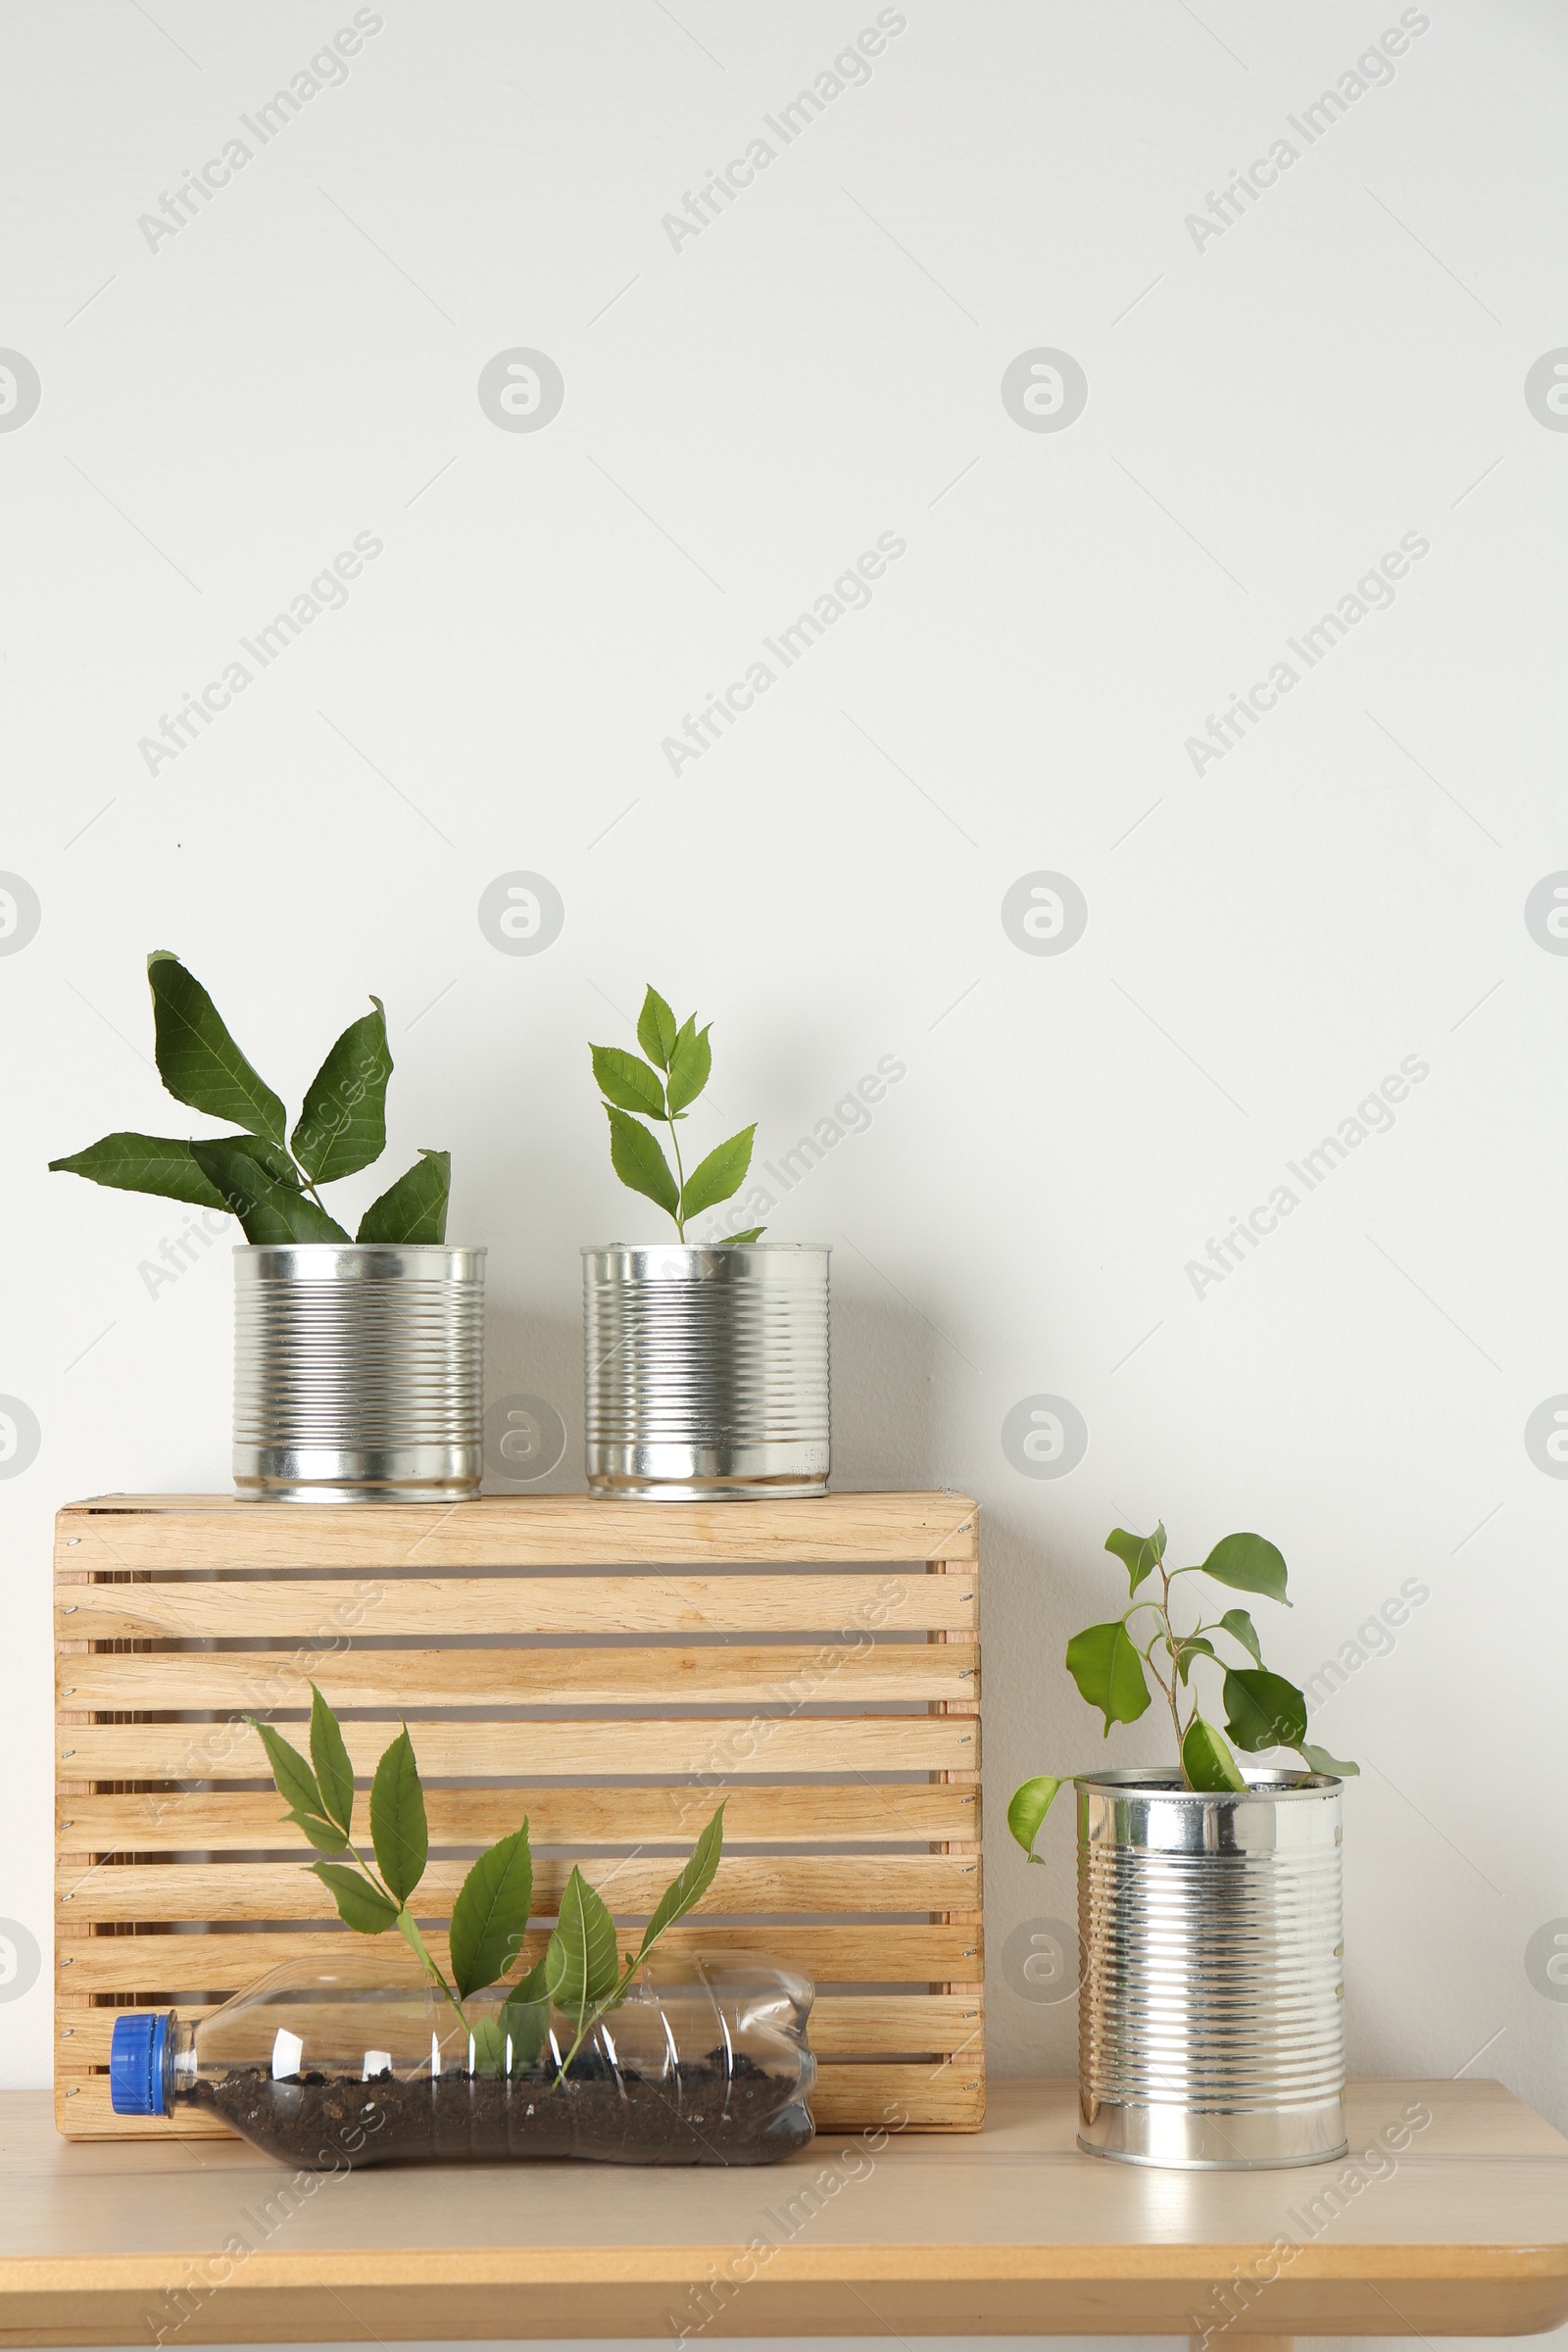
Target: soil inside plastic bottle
723,2109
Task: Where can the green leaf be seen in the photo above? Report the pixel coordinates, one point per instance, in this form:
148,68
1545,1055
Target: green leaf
296,1782
487,2047
752,1232
1248,1564
1108,1671
628,1082
1191,1648
1321,1761
687,1889
525,2015
689,1065
198,1061
415,1209
1141,1554
1262,1709
342,1126
638,1162
1027,1808
657,1029
145,1163
1240,1627
325,1835
398,1828
269,1209
1206,1760
720,1174
334,1774
583,1966
359,1906
490,1915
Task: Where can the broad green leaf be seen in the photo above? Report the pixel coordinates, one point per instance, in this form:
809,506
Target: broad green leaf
1262,1709
415,1209
198,1061
1248,1564
1108,1671
1027,1808
1321,1761
342,1126
398,1828
720,1174
1141,1554
657,1029
296,1782
487,2046
325,1835
145,1163
689,1065
752,1232
268,1210
1240,1627
359,1906
1192,1648
490,1915
334,1774
1206,1760
525,2016
628,1082
583,1966
638,1162
688,1888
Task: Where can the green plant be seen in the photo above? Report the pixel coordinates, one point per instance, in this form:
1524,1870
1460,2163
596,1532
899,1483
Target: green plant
1113,1672
661,1088
263,1175
580,1972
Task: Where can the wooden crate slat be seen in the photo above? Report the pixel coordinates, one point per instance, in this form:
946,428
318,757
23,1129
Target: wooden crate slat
843,2026
159,1892
394,1679
945,2096
862,1812
149,1966
304,1609
723,1745
502,1531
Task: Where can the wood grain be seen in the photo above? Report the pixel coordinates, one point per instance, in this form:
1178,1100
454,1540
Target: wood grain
319,1608
166,1821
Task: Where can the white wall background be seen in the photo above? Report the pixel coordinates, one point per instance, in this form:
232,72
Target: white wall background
1269,411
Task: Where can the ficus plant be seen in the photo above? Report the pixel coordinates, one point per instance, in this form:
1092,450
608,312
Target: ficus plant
580,1972
264,1174
641,1095
1114,1667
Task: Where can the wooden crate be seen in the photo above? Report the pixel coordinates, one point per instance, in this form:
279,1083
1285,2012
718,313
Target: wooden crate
608,1668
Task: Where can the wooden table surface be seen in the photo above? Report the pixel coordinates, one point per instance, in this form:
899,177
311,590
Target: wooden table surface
1455,2223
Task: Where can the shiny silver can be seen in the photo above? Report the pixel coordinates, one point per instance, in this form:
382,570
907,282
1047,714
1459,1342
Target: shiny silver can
1212,2010
359,1372
707,1370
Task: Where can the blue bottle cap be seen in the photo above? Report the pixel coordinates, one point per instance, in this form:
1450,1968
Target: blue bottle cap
136,2064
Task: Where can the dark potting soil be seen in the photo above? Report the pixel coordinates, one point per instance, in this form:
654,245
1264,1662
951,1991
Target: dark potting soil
723,2110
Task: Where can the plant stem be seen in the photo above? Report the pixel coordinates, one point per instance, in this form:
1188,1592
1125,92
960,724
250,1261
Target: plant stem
1174,1651
680,1178
590,2017
409,1932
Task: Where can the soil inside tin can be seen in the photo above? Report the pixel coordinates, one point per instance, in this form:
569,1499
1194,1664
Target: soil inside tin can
723,2110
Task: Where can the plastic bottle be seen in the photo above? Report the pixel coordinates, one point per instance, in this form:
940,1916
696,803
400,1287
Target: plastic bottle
705,2062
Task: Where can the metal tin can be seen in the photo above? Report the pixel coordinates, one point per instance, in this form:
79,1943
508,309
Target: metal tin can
707,1370
1212,2010
359,1372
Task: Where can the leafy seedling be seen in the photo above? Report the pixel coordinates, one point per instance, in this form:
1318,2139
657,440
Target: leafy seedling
580,1973
264,1174
1114,1669
641,1095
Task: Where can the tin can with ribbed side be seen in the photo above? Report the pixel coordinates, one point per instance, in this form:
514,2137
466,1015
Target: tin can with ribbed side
1212,2010
359,1372
707,1370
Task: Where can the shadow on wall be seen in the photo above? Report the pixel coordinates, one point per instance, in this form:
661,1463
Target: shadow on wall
887,1414
533,1401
